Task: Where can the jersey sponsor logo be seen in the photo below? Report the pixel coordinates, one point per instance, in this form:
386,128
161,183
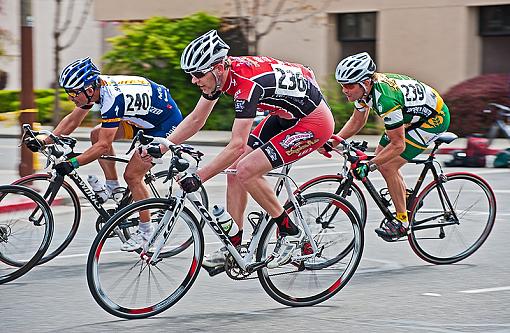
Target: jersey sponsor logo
419,111
237,93
239,105
154,110
271,153
292,139
302,148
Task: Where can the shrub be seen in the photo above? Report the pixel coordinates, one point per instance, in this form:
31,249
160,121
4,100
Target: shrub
468,99
10,101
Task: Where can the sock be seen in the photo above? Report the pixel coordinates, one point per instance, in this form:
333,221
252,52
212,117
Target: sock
112,184
285,225
402,217
144,227
237,239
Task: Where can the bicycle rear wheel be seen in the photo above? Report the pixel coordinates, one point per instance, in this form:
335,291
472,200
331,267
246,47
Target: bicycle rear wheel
124,284
334,184
316,278
443,233
23,242
66,201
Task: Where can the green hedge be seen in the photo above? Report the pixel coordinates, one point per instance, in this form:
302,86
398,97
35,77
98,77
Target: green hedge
44,100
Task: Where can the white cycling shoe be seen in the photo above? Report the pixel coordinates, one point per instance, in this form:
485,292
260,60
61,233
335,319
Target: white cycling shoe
137,240
285,247
216,258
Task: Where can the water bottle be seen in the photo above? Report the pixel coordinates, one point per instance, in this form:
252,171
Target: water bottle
225,221
98,187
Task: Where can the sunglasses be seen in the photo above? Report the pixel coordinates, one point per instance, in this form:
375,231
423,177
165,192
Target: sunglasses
349,86
73,93
201,74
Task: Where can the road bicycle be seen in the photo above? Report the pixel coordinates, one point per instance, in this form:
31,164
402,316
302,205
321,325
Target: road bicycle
64,200
449,219
138,285
23,240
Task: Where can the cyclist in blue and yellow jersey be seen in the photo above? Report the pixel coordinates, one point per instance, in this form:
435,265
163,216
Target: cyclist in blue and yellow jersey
413,113
127,104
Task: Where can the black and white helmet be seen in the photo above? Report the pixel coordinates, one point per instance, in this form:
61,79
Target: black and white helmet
355,68
204,52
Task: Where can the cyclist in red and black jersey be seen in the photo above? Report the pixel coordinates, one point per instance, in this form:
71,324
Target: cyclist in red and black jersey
298,123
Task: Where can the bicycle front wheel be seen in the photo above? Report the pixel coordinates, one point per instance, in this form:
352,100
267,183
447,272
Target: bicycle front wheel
64,203
312,276
23,241
125,284
452,218
336,184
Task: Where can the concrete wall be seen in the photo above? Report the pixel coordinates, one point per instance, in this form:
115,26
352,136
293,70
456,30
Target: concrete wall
88,42
435,40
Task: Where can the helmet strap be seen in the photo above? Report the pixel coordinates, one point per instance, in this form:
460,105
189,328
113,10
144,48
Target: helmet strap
218,83
366,94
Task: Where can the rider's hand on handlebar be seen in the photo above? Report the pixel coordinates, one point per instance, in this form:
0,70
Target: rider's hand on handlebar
326,149
361,170
34,144
64,168
190,183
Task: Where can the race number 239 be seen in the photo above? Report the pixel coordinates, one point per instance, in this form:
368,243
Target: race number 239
289,81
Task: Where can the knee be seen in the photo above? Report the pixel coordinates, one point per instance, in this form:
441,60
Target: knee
132,178
94,135
244,173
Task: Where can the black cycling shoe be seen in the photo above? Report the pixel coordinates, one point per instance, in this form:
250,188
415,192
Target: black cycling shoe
391,231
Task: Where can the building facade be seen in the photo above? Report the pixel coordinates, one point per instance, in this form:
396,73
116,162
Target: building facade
440,42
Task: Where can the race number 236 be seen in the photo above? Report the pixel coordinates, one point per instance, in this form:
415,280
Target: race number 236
289,81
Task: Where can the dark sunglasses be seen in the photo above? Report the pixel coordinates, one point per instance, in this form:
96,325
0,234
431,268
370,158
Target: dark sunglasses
349,86
201,74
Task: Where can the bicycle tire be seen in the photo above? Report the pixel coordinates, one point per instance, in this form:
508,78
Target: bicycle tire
22,259
65,199
333,184
109,271
436,242
313,272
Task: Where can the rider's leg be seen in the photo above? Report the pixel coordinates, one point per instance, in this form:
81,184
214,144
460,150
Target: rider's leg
133,175
108,166
396,185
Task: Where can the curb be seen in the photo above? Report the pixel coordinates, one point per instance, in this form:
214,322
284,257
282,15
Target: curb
24,205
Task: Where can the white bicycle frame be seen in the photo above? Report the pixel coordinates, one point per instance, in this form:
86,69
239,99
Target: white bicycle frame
247,262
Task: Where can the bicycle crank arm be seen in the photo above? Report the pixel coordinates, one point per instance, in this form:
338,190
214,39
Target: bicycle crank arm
250,268
214,270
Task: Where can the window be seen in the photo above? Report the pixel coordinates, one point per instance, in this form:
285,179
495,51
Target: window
494,29
357,33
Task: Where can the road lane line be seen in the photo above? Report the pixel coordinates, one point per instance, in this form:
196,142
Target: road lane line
485,290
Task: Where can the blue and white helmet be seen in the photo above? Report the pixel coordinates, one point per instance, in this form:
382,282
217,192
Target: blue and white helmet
204,52
79,74
355,68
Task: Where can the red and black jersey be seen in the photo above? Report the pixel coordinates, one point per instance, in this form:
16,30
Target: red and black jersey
286,90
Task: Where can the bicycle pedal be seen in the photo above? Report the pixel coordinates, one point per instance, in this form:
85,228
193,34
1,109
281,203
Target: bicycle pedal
214,270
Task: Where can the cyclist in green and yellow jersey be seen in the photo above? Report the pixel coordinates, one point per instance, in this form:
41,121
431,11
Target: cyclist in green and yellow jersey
414,115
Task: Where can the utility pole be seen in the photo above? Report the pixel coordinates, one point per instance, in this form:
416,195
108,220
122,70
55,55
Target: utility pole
27,107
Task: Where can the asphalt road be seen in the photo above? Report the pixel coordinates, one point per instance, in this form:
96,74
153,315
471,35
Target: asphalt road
392,291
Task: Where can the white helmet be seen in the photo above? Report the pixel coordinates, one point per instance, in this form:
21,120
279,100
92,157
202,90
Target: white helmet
204,52
355,68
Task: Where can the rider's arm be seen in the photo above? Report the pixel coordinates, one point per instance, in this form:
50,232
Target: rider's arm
101,147
353,125
69,123
234,149
193,122
396,146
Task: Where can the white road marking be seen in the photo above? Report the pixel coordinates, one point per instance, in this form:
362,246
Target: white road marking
486,290
431,294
